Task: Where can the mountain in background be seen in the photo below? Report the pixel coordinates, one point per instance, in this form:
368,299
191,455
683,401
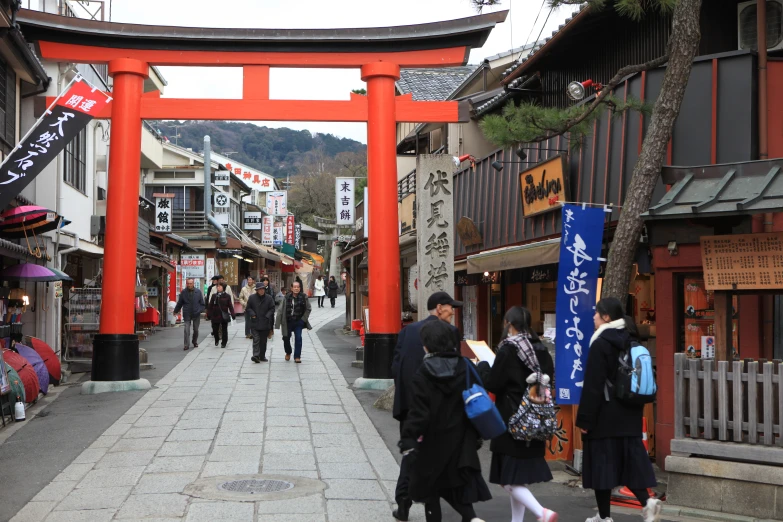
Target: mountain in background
274,151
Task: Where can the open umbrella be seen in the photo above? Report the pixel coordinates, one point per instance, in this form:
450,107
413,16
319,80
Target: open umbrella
41,371
28,272
17,214
29,225
26,373
49,358
63,275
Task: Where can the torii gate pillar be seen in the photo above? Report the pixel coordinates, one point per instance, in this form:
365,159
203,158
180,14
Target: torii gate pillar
384,246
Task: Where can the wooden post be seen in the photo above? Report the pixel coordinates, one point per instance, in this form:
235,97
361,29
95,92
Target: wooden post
679,395
708,395
737,400
723,326
693,396
723,400
753,411
768,372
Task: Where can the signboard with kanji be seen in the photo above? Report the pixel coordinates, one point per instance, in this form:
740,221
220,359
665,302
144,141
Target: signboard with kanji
222,178
255,179
544,186
289,229
743,261
163,212
267,231
345,202
65,119
298,237
194,265
277,235
253,220
277,203
435,225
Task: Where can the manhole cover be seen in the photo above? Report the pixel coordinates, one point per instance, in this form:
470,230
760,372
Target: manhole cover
255,486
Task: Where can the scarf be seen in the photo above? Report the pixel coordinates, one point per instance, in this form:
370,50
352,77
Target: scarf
618,324
295,306
527,355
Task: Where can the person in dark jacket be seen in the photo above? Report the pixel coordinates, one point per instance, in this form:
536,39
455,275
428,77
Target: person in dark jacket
516,464
333,288
408,355
215,280
614,453
221,307
437,431
191,302
261,314
292,317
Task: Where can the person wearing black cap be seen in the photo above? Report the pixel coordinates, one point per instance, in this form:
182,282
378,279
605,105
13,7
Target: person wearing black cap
261,315
215,280
408,356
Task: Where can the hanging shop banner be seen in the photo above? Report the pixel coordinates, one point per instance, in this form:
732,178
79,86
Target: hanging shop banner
253,220
223,219
163,212
69,114
544,186
298,237
277,203
267,231
577,282
277,235
222,178
345,200
222,200
290,232
194,265
435,225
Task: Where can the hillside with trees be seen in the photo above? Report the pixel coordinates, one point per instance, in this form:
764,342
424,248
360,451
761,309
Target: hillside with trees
279,152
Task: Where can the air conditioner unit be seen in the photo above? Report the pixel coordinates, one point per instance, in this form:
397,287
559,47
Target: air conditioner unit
97,225
746,25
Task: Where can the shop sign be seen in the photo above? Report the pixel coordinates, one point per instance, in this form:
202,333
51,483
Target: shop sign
743,261
163,212
468,232
253,220
58,289
435,227
222,200
267,232
345,200
290,232
222,178
210,269
257,180
229,269
577,282
541,274
277,235
194,265
277,203
222,218
298,237
66,117
544,186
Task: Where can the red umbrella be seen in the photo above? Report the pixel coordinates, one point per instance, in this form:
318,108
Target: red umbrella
18,214
50,359
26,373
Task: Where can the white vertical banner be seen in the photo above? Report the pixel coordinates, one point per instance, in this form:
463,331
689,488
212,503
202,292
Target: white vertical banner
266,231
163,212
277,203
278,233
345,201
366,206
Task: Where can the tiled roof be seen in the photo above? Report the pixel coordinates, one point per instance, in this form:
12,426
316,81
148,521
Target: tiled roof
433,84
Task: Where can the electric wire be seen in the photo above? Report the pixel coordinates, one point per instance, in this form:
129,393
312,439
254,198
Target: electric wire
527,40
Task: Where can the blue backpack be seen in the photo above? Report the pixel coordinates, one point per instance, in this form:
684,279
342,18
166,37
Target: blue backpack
479,407
634,383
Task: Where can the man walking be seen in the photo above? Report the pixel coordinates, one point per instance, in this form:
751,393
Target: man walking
292,317
215,280
408,356
261,315
247,292
191,302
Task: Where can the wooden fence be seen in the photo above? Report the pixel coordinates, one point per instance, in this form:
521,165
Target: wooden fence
738,401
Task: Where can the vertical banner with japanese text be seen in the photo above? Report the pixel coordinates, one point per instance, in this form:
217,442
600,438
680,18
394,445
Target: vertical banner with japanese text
163,212
435,231
66,118
289,229
298,236
345,202
577,282
267,231
277,203
278,234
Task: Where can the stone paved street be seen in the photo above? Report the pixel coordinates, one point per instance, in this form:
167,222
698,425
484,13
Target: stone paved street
219,414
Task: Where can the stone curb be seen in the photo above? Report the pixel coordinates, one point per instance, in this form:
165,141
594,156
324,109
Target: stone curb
680,511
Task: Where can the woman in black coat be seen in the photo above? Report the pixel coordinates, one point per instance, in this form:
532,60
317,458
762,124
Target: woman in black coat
220,308
445,463
517,464
614,453
333,287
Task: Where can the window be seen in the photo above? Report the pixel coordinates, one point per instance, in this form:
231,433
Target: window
7,106
181,195
75,171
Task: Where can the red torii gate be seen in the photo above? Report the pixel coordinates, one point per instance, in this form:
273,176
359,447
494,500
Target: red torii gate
130,50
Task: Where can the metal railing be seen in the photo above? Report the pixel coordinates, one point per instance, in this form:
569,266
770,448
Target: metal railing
406,185
189,220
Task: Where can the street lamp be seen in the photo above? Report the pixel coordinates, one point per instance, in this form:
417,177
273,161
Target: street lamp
577,90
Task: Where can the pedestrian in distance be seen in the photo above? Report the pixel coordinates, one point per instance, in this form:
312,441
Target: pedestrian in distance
191,302
292,317
333,287
319,291
215,280
226,288
614,454
221,312
270,290
516,463
261,315
437,435
247,291
408,356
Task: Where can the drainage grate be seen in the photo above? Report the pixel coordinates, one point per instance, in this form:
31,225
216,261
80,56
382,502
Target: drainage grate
255,486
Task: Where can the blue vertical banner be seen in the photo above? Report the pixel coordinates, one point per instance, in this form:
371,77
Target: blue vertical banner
577,282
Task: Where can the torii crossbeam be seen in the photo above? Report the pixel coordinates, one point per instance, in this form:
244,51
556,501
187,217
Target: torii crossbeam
130,50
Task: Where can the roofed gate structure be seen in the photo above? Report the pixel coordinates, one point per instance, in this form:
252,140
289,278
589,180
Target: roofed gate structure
130,50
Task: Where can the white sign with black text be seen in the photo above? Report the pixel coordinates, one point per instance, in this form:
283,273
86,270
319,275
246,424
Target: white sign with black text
345,202
277,203
222,178
163,212
267,230
253,220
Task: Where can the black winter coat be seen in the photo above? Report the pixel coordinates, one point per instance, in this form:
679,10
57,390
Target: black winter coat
261,312
447,456
408,355
220,303
507,380
332,287
600,418
191,303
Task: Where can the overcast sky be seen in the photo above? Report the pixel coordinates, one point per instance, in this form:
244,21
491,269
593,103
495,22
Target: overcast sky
312,84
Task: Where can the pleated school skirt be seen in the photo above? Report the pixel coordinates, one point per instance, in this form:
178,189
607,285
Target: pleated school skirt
512,471
618,461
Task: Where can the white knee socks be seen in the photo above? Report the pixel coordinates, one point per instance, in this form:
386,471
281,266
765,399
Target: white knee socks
517,510
525,499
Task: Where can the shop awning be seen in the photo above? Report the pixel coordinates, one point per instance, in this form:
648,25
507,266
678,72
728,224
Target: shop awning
317,258
720,190
521,256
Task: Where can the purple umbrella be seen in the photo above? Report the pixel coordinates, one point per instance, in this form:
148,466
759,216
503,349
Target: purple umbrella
28,272
38,365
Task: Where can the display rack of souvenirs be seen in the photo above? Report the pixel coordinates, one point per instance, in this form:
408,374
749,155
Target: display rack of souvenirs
84,320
